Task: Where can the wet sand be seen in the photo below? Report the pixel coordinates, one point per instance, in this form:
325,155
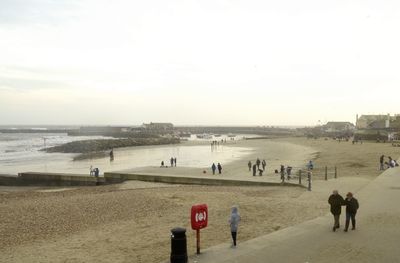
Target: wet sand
131,222
274,152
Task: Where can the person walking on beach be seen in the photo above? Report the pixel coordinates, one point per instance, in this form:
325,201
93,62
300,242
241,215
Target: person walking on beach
264,164
219,166
289,172
112,154
254,169
96,172
234,224
172,162
381,162
175,161
391,162
336,201
213,168
310,165
249,165
258,162
282,173
351,210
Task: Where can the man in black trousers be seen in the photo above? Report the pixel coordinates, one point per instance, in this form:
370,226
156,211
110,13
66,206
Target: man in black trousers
351,211
336,201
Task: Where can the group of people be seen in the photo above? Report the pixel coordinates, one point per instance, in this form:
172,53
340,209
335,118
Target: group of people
215,167
94,171
336,202
215,142
390,163
256,166
172,162
283,170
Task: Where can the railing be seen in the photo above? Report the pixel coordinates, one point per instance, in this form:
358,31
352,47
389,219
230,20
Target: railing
308,175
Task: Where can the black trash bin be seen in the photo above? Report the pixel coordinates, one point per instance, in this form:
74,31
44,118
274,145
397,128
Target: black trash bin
178,245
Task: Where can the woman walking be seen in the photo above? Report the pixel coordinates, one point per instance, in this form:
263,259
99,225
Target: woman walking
234,223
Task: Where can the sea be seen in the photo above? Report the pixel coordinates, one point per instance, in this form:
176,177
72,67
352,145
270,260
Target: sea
23,152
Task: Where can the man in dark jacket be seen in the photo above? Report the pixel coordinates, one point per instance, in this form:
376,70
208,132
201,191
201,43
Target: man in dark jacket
213,168
336,201
381,162
254,170
351,211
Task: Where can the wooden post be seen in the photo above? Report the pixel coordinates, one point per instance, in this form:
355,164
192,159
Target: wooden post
198,240
299,176
309,181
326,173
335,172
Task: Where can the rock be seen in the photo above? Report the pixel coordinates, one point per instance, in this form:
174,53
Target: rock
93,146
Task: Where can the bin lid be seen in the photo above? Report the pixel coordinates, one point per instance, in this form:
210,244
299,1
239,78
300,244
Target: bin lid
178,231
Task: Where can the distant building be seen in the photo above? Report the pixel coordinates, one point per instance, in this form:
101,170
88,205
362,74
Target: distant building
159,127
338,127
378,121
102,129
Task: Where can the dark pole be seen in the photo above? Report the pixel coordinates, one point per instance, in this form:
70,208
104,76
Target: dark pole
299,176
335,172
326,173
198,241
309,181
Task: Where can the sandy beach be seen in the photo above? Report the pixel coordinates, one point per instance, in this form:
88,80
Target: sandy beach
131,222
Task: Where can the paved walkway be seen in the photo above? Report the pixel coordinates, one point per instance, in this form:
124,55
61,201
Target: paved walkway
376,239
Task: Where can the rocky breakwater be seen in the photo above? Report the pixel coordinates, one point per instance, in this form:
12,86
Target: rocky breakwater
90,149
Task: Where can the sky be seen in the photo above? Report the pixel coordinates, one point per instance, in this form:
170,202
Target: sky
206,62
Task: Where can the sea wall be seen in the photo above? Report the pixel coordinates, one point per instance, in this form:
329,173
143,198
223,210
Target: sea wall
50,179
121,177
8,180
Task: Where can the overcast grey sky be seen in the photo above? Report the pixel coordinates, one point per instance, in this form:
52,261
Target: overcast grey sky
216,62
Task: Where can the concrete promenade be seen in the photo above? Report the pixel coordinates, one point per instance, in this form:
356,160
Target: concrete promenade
376,238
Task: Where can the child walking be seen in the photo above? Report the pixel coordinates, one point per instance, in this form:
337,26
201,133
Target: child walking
234,223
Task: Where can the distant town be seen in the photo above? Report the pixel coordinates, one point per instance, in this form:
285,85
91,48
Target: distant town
366,127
